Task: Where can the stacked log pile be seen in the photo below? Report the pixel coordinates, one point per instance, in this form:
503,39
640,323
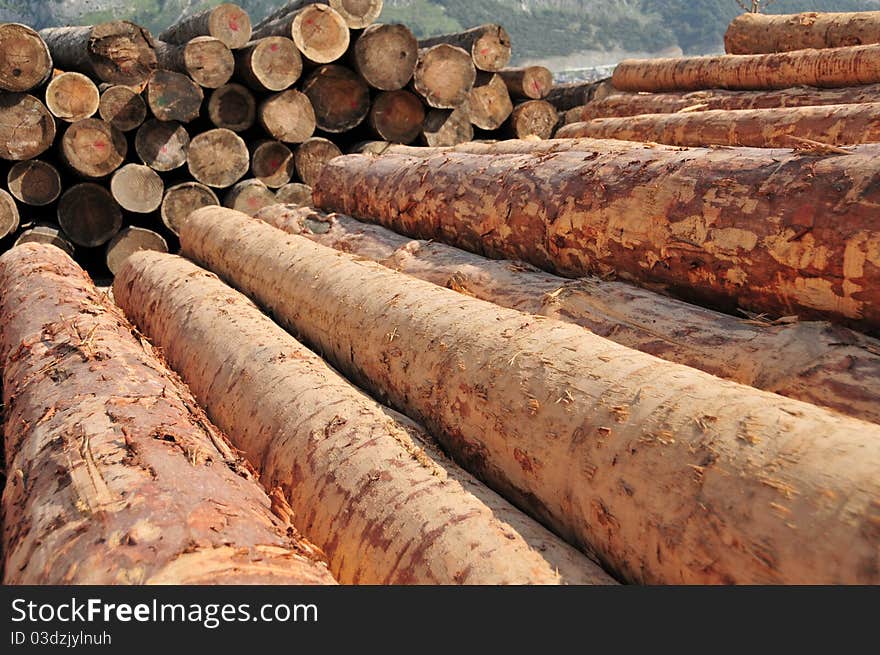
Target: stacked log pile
107,127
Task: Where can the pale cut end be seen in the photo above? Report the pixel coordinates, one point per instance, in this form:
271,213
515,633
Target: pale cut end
25,62
386,56
272,164
122,107
129,241
27,128
122,53
72,97
311,157
536,118
93,148
444,128
183,199
295,194
444,76
397,116
489,104
232,107
9,219
339,96
218,158
358,14
161,145
230,24
249,197
48,234
208,61
491,50
320,33
273,64
34,182
174,96
137,188
288,116
89,215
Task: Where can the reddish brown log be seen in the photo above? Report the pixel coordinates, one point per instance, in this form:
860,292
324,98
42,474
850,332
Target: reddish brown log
397,116
488,45
249,197
227,22
122,107
764,33
447,128
232,107
489,104
142,488
386,56
161,145
319,32
444,76
311,156
89,215
174,96
288,116
535,118
137,188
340,98
272,163
93,148
269,64
208,61
34,182
218,158
27,128
771,231
529,83
25,62
183,199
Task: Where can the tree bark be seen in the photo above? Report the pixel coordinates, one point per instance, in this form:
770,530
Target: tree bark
174,97
576,94
181,200
488,45
208,61
249,197
137,188
311,157
25,62
232,107
535,118
227,22
9,218
357,15
444,76
93,148
764,33
489,104
385,56
118,52
272,163
386,505
633,104
770,231
218,158
614,449
162,146
295,194
759,128
48,234
27,128
339,96
288,116
816,362
89,215
529,83
269,64
319,32
122,107
447,128
34,182
397,116
142,489
129,241
837,67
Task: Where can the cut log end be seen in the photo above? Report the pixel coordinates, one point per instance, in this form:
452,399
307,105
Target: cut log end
447,128
295,194
183,199
230,24
489,104
272,164
129,241
397,116
288,116
529,83
123,108
174,96
536,118
249,197
25,62
444,76
72,97
358,14
48,234
340,98
208,61
162,145
27,128
93,148
137,188
312,156
89,215
491,50
218,158
232,107
34,182
269,64
386,56
9,219
320,33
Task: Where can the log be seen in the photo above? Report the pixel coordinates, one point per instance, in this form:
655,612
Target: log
764,33
574,94
249,197
89,215
27,128
593,438
311,156
206,60
288,116
118,52
34,182
122,107
489,104
444,76
181,200
340,98
357,14
294,194
93,148
835,67
137,188
536,118
272,163
163,146
386,505
447,128
174,96
815,362
48,234
116,446
779,232
528,83
72,97
759,128
319,32
531,146
397,116
633,104
385,56
9,218
129,241
269,64
232,107
25,62
227,22
218,158
488,45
